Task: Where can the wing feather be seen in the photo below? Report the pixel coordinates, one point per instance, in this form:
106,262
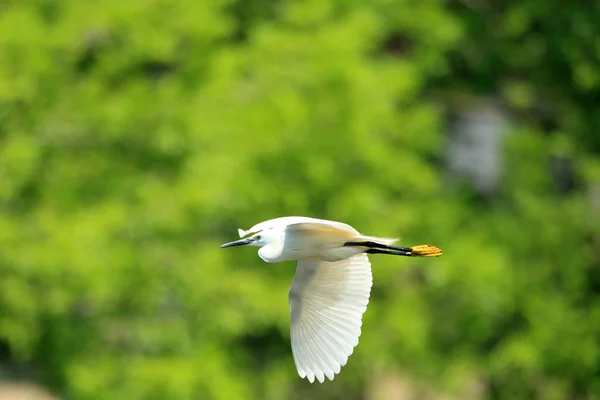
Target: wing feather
298,223
327,301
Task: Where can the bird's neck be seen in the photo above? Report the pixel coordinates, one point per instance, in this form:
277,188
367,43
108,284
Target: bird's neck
272,252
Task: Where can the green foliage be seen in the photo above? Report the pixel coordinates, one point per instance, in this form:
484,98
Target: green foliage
135,137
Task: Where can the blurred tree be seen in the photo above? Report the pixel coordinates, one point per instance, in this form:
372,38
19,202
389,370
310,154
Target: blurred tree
137,136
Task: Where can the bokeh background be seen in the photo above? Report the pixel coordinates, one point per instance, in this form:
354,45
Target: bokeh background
137,136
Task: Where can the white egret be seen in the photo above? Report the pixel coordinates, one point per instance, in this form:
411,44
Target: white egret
331,287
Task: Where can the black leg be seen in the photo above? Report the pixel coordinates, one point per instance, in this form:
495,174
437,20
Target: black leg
374,245
389,252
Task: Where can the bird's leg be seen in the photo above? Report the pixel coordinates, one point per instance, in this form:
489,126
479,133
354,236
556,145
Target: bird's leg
389,252
375,245
423,250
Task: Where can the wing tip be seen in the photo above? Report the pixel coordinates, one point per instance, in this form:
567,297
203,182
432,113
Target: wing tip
319,376
330,375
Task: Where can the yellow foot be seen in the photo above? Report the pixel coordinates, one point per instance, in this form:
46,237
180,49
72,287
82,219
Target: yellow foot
425,250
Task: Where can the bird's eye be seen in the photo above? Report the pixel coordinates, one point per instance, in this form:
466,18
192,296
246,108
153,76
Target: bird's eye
257,237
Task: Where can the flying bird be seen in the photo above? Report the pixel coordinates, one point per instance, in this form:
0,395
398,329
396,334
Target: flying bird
331,287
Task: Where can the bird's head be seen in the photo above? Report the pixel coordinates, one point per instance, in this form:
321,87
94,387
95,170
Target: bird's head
258,239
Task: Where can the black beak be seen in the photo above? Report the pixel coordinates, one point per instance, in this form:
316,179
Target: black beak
241,242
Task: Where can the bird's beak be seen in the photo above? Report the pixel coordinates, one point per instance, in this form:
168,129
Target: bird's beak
241,242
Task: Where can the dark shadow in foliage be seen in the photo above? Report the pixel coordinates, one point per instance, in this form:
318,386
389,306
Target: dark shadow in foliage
266,345
98,42
396,44
250,13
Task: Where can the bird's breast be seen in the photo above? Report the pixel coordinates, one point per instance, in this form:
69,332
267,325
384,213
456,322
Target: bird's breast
329,254
306,244
271,253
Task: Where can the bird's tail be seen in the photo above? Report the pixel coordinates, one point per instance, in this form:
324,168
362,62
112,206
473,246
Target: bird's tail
378,240
375,245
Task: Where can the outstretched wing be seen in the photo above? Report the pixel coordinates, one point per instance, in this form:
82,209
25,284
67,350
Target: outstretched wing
299,222
327,301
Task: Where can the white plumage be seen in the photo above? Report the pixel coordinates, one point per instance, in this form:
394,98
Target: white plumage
327,301
331,287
